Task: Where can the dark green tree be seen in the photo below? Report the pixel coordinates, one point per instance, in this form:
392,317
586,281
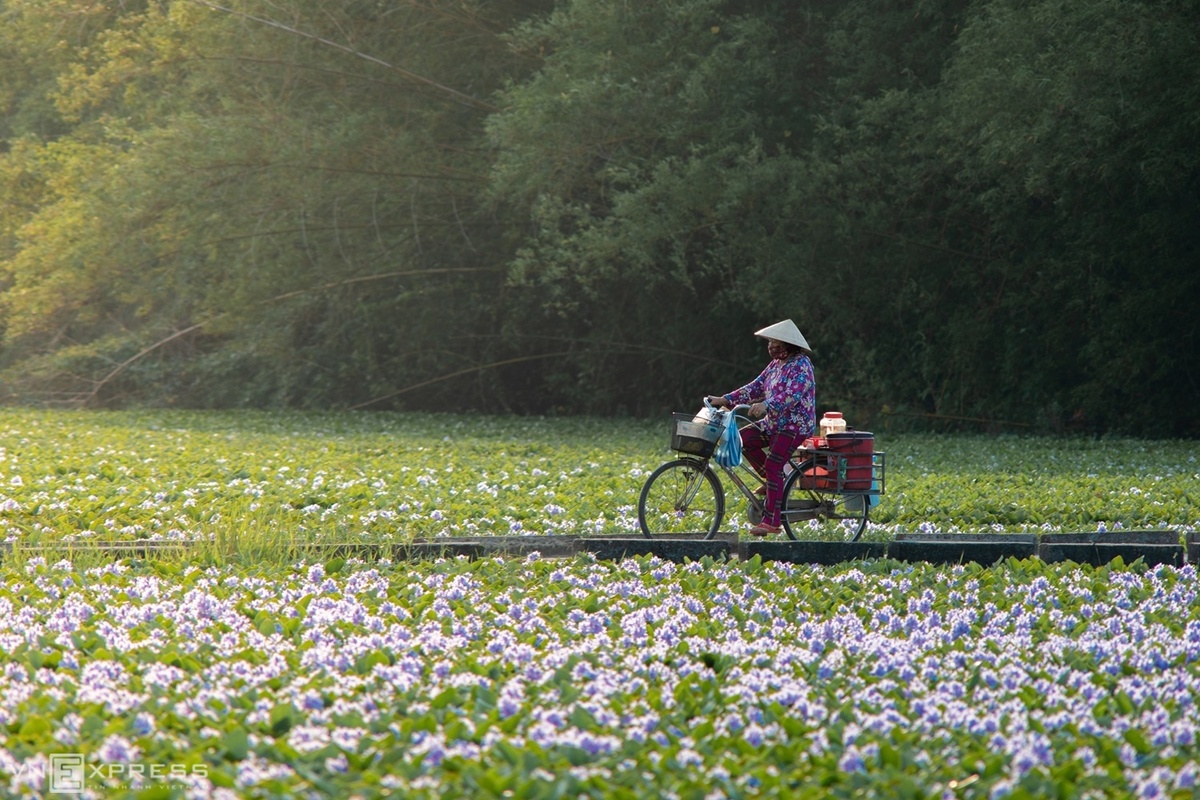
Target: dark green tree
968,207
1034,217
654,153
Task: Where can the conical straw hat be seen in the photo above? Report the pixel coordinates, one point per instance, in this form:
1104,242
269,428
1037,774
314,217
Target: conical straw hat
785,331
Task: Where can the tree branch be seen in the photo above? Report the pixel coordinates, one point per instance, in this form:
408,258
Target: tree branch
412,76
456,374
904,241
145,351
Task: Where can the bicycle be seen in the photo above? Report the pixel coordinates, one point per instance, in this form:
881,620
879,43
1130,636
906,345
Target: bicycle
832,490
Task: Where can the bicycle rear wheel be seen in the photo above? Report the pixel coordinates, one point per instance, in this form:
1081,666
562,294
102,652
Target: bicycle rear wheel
681,496
814,514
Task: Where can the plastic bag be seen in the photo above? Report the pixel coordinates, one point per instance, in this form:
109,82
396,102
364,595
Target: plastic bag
729,446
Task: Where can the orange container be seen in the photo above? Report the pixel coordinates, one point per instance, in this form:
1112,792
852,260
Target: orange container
818,478
854,469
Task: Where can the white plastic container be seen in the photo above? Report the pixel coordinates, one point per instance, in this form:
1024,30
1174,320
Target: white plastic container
832,422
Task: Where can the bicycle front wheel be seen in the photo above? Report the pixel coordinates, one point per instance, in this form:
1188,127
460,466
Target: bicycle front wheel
681,496
814,514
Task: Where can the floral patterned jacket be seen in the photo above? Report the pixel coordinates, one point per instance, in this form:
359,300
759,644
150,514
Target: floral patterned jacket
789,389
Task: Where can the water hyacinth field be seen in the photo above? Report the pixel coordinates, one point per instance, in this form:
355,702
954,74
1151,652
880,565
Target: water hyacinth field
259,480
537,679
233,669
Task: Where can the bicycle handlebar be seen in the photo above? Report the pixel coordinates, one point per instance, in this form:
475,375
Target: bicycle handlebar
734,409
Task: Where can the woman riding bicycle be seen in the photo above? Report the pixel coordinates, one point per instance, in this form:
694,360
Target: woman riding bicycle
784,396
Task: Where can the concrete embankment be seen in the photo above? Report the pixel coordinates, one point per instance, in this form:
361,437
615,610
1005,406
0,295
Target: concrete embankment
1097,548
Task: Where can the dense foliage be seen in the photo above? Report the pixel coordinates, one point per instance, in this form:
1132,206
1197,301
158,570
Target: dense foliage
973,208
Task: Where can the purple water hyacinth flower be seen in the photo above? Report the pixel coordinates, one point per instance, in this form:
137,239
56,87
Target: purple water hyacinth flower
1030,751
1183,733
118,749
852,761
508,706
347,738
143,724
595,745
1002,788
254,770
308,738
1154,786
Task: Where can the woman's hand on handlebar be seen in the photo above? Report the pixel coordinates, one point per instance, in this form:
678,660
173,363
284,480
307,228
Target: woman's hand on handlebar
717,401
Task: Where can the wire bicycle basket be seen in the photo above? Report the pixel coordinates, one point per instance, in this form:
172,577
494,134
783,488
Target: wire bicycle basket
696,434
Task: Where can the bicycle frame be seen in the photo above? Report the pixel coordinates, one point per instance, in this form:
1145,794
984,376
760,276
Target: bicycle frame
821,487
757,502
